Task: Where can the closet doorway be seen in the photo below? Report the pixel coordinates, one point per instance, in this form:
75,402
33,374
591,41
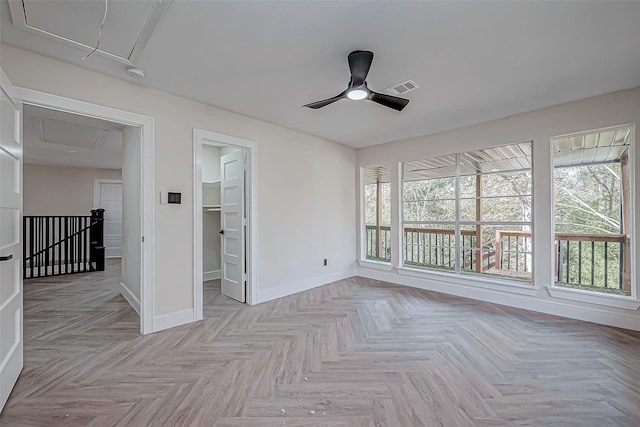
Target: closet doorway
224,259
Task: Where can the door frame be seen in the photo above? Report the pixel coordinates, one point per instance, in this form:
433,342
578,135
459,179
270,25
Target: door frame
146,123
97,196
200,137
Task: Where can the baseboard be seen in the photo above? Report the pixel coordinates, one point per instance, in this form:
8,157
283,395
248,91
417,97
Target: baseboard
171,320
539,303
130,297
305,285
211,275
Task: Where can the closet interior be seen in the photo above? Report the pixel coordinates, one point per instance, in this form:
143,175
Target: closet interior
211,239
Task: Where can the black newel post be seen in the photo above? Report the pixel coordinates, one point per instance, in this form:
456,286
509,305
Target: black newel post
96,236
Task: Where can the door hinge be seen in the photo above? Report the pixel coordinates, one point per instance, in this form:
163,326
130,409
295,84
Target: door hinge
142,239
244,221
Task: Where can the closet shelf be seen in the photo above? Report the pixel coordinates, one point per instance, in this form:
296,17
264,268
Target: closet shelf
211,208
215,184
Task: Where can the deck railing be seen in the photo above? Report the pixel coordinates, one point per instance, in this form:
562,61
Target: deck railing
378,250
600,260
57,245
513,251
434,247
591,260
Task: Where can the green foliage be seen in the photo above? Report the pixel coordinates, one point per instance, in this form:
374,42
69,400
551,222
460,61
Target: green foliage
588,200
370,207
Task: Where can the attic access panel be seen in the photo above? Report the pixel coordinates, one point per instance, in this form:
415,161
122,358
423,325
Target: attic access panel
127,28
69,134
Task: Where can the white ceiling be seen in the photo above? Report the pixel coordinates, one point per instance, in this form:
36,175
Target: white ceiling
59,138
474,61
85,18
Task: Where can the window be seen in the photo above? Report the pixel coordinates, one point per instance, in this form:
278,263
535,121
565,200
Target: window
377,213
592,211
470,212
429,213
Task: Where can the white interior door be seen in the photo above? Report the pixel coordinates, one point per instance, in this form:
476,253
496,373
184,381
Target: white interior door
111,202
232,225
10,239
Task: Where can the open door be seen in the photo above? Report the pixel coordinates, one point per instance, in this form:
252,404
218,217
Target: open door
232,225
10,238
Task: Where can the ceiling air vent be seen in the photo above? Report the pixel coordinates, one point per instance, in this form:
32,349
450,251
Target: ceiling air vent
402,88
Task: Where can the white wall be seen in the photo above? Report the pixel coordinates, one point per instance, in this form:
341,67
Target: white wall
131,210
57,190
306,194
210,163
538,126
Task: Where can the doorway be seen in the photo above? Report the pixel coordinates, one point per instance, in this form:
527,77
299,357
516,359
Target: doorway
139,130
224,216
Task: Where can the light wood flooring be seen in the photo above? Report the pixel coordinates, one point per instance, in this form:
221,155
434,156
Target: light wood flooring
353,353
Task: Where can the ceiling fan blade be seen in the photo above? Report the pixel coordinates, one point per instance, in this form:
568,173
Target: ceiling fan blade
389,101
324,102
359,64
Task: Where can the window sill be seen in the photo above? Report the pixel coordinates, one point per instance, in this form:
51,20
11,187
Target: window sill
618,301
375,264
475,281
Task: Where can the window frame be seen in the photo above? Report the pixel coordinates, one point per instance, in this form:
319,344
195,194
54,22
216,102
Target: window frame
584,295
458,224
362,258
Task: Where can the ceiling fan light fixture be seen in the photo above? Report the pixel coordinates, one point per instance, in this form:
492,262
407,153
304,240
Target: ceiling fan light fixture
359,65
357,94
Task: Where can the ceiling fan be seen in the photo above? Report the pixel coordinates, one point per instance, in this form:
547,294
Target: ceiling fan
359,64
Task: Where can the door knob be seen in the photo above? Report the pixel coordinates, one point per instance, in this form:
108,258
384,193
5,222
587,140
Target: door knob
221,231
6,258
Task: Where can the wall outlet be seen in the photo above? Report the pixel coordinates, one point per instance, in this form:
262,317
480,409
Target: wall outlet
325,261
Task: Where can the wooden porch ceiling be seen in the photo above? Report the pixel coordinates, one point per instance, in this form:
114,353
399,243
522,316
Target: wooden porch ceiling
504,158
589,148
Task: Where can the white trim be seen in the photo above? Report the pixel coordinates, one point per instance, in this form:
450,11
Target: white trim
619,301
201,136
557,308
147,298
632,218
362,224
471,280
9,88
305,285
211,275
130,297
171,320
97,190
386,266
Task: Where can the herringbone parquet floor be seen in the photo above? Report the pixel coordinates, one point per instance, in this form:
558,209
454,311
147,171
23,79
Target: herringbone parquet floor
354,353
